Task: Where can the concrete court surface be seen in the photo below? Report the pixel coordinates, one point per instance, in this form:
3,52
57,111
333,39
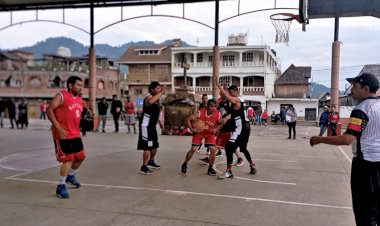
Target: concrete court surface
295,184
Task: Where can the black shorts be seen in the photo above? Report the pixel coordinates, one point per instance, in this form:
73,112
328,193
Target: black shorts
148,139
69,146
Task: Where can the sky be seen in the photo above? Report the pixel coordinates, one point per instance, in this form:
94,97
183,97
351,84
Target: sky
358,35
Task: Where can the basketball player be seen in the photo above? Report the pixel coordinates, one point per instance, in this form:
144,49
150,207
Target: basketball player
148,138
211,117
240,136
64,112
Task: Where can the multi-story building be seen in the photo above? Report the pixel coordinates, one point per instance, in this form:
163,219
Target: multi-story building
253,69
146,64
40,79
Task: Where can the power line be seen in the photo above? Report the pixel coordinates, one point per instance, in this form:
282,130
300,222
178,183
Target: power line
361,65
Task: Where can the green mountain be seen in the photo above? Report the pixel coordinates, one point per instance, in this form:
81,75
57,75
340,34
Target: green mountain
50,46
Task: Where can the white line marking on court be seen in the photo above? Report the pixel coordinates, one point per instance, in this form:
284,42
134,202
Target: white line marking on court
344,153
297,156
274,160
177,192
261,181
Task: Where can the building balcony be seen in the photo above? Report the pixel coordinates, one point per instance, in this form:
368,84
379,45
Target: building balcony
247,90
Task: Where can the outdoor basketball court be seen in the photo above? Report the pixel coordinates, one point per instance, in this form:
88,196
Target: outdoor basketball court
295,184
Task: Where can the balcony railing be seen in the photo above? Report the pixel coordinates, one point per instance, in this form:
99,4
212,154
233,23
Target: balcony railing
222,64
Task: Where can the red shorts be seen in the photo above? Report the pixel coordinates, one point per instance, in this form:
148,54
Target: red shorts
209,138
222,139
69,150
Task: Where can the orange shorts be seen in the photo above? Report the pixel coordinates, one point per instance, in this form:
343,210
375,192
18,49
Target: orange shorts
69,150
209,138
222,139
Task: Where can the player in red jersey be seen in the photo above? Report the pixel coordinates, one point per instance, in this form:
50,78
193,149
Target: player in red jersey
212,118
64,112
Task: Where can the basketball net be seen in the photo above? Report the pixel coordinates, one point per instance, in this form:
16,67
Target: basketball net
281,23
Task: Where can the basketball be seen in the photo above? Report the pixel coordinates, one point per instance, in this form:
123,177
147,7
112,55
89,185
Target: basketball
198,125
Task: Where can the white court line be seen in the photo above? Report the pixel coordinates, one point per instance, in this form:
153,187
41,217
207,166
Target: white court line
261,181
297,156
177,192
344,153
274,160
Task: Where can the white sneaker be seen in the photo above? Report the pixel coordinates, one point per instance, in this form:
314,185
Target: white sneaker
226,174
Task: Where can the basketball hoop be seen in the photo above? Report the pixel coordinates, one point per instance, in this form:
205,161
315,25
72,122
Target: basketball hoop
282,22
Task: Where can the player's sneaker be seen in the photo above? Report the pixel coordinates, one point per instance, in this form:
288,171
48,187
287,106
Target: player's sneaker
211,171
205,160
184,168
239,162
152,164
62,192
253,170
226,174
71,179
219,153
145,170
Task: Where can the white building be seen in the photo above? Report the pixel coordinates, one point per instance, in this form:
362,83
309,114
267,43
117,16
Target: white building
253,69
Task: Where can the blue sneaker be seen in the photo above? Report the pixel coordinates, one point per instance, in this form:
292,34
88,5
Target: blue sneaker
70,179
62,192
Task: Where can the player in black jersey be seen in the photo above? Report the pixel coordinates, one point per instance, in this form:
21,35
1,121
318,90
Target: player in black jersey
148,138
240,135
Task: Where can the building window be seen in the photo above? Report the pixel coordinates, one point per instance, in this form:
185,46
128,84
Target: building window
225,81
86,83
248,57
228,60
56,83
248,81
199,57
110,85
138,91
35,82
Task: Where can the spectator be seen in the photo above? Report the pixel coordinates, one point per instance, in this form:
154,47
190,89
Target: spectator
259,112
333,120
265,117
250,113
23,114
116,108
102,110
283,115
323,121
291,119
130,117
273,118
43,109
12,112
2,110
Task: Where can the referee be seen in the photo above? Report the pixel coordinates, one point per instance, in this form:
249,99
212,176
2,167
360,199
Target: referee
363,132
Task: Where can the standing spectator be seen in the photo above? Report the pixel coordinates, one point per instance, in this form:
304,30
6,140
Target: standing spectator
283,115
265,117
363,132
116,107
23,114
291,119
259,112
333,120
130,117
12,112
2,110
148,138
43,109
64,112
83,120
250,113
102,109
323,121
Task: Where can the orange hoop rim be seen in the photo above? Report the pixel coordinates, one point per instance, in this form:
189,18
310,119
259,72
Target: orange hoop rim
286,17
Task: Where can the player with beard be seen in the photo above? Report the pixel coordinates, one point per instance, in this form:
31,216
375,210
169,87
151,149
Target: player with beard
64,112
